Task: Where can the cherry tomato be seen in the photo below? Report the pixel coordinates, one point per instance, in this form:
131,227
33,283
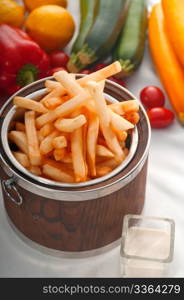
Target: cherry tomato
99,67
152,96
160,117
59,59
119,81
54,70
85,72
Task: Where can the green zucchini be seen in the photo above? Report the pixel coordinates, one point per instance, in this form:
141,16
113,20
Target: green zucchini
88,12
131,43
103,34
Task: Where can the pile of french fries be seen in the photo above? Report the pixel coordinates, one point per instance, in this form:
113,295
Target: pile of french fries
73,134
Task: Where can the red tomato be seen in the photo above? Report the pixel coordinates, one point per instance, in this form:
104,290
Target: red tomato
54,70
160,117
99,67
85,72
119,81
152,96
59,59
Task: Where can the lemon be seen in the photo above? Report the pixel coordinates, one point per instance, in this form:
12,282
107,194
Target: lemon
32,4
11,13
51,26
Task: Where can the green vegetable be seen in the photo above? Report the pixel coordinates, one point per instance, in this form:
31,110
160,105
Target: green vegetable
103,34
88,12
130,48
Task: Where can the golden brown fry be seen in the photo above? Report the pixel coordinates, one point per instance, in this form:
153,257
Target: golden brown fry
19,138
57,92
57,174
20,126
69,83
59,154
32,139
52,85
67,159
62,110
111,163
118,123
59,142
102,74
128,106
35,170
53,102
30,104
22,159
104,117
102,170
78,155
103,151
46,145
47,129
92,135
69,125
132,117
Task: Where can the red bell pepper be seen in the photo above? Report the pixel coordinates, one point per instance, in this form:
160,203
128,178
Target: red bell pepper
22,61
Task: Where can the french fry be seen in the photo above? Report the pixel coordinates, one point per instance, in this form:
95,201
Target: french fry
20,126
84,138
30,104
103,151
57,92
19,138
128,106
46,145
59,154
32,139
118,123
40,136
53,102
67,159
111,163
57,174
102,74
47,129
78,155
102,170
35,170
69,125
69,83
63,110
59,142
22,159
104,117
52,85
132,117
92,135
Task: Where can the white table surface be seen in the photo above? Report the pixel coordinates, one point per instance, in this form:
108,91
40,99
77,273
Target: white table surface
164,197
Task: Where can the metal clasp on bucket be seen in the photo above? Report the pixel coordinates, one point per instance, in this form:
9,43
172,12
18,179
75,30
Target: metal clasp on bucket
9,186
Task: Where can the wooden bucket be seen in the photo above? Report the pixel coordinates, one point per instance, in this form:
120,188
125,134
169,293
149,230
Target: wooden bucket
74,220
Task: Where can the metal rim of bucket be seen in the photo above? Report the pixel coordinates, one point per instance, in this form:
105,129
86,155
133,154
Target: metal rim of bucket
4,137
